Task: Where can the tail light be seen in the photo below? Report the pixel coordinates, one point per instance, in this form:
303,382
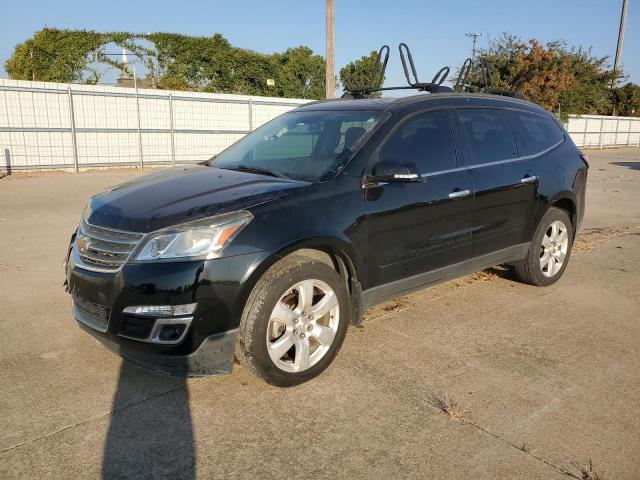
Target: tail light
585,159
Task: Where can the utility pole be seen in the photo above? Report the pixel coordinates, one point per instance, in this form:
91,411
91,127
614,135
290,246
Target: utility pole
623,21
474,36
330,78
33,70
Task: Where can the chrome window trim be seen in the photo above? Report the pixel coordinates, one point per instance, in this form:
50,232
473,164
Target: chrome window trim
517,159
497,162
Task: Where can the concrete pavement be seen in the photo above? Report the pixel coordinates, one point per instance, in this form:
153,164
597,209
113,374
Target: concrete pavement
482,377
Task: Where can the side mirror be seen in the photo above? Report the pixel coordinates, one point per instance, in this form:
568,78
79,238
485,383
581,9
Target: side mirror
395,173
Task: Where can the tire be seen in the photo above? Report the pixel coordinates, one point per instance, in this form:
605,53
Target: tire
535,268
262,336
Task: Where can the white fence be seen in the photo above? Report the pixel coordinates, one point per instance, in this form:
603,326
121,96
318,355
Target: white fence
596,131
56,125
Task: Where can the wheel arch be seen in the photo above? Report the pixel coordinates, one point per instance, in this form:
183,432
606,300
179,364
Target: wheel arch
563,200
332,251
567,202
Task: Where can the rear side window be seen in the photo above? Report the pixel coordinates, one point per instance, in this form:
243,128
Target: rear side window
488,134
534,133
424,140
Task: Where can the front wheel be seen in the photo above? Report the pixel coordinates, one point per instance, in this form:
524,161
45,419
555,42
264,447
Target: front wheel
550,250
294,321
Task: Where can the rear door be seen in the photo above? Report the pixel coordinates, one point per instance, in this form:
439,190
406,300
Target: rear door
418,227
505,182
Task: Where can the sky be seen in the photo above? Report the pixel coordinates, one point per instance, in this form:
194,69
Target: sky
435,31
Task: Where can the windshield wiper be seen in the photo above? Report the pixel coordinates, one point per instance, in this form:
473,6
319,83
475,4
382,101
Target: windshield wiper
260,171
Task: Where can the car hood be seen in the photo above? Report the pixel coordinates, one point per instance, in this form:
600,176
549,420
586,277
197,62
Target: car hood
178,195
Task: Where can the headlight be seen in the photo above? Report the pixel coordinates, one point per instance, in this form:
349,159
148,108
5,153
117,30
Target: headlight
203,239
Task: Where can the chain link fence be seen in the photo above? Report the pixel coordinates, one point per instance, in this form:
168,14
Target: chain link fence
68,126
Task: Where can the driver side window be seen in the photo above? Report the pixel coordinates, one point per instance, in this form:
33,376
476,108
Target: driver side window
425,140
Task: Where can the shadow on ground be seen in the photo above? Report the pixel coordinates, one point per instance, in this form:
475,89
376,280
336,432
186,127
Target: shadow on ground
631,165
150,434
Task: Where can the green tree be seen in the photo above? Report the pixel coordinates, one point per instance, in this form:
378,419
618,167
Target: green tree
181,62
365,72
53,55
562,79
590,91
545,72
192,63
626,100
300,74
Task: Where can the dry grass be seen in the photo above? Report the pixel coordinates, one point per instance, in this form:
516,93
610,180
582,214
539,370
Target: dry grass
592,237
485,276
588,471
395,305
444,402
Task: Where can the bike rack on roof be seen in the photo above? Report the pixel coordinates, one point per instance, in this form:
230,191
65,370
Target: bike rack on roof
383,64
463,76
434,86
485,71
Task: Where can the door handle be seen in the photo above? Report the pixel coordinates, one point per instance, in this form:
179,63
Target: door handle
529,179
460,194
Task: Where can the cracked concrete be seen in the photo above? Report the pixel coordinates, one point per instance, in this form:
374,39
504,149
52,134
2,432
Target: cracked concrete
544,377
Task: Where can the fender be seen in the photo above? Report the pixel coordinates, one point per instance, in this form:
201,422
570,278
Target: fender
341,248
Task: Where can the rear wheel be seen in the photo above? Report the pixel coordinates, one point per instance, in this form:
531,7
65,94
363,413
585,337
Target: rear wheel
294,321
550,250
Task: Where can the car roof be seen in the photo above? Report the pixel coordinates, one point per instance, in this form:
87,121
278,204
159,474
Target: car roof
349,104
386,103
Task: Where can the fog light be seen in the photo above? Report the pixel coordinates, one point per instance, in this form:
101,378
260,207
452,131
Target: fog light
171,333
165,310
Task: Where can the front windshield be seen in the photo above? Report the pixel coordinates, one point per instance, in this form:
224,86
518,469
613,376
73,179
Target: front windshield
310,146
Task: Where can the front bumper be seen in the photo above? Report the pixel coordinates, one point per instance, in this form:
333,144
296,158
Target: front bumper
219,287
213,356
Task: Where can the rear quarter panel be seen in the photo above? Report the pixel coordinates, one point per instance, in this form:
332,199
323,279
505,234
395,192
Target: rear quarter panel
562,175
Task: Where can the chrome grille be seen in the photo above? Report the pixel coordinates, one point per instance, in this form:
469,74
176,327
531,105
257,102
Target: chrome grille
91,314
103,248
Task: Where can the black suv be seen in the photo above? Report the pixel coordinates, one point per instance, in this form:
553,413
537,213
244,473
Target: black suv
268,251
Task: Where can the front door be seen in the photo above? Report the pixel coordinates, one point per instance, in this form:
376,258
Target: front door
415,228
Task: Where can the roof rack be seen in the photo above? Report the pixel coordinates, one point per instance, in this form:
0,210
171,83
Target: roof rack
434,86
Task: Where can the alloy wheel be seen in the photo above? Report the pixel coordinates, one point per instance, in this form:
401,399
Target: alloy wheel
303,325
555,244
